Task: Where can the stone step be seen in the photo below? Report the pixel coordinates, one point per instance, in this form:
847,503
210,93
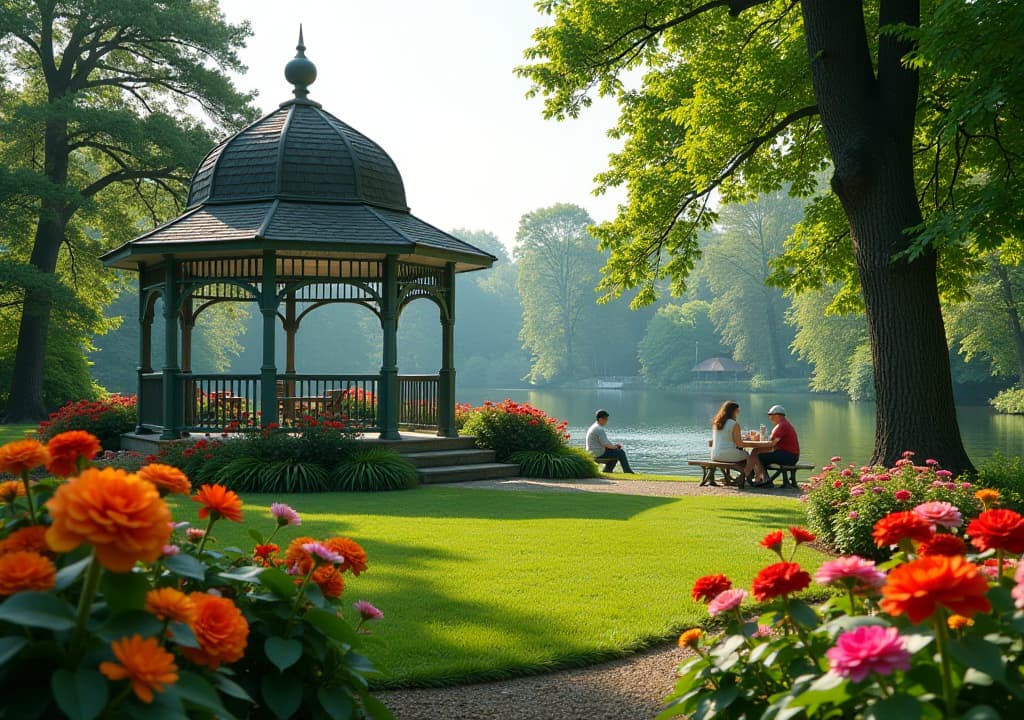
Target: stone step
466,473
422,443
441,458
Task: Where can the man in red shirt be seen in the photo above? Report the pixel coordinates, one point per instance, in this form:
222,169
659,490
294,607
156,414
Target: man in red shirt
785,446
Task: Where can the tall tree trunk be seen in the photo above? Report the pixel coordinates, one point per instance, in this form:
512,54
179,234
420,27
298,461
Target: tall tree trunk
26,398
869,123
1006,290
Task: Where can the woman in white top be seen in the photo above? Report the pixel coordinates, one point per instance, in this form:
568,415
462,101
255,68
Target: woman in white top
726,438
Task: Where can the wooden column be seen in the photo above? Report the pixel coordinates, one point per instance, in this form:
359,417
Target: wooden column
268,370
387,395
446,376
172,393
145,350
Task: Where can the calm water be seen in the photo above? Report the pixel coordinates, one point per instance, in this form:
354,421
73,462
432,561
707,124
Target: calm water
660,430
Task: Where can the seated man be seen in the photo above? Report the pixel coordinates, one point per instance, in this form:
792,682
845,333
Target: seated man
785,446
602,449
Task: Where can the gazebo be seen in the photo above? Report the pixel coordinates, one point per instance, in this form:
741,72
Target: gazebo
717,368
296,211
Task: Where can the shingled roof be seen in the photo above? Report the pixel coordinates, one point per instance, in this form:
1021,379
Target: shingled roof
297,180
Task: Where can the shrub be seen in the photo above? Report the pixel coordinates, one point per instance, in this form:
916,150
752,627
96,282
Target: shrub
374,469
109,612
462,413
107,419
565,463
1009,401
843,504
926,635
1005,475
509,426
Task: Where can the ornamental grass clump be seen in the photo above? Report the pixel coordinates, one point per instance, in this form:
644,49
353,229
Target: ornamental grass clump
933,633
508,427
845,502
564,463
110,609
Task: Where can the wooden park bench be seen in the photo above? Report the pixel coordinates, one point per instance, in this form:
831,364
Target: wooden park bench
732,473
788,472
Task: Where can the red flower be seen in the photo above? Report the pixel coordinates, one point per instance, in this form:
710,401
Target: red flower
998,529
802,535
773,540
67,447
780,579
918,587
219,501
707,587
943,544
899,526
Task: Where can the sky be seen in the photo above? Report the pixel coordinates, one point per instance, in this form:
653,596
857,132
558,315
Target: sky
432,82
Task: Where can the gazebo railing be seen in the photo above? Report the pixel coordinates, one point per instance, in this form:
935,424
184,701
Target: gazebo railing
213,403
351,398
418,401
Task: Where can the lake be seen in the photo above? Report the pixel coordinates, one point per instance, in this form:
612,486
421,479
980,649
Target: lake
661,429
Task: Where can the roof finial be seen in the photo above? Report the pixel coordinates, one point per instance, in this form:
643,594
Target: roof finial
300,71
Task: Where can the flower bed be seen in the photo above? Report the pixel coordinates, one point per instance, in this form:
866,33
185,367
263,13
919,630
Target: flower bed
111,609
933,633
107,419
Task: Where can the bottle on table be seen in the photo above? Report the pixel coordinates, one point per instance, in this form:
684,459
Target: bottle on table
762,436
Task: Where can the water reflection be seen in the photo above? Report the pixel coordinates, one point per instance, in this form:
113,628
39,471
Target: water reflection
662,429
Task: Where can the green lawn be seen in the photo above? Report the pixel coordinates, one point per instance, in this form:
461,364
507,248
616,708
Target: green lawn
478,584
9,433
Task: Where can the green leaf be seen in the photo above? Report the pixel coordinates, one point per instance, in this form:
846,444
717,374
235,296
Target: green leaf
182,634
257,536
66,576
374,707
336,701
249,574
37,609
282,694
195,689
278,582
982,712
10,647
81,695
803,614
135,622
332,626
282,652
897,707
184,565
124,591
229,687
974,652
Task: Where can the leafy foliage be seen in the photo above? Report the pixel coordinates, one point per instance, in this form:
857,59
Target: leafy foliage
107,419
374,469
664,352
1005,474
1010,401
565,463
509,426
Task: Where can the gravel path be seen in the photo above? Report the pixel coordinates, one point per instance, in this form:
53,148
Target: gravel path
628,689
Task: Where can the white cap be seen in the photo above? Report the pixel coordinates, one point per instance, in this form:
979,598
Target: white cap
776,410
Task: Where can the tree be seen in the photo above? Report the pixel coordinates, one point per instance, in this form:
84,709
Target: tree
743,96
676,329
834,343
558,265
749,314
101,111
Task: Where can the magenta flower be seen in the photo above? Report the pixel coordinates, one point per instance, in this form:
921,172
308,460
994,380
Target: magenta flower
847,472
868,649
856,491
726,601
285,515
836,458
883,477
762,631
852,572
940,513
943,473
908,453
171,550
853,515
877,490
933,463
323,552
367,611
1018,591
902,495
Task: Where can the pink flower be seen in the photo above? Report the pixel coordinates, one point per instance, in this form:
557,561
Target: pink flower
856,492
931,462
194,535
828,467
943,473
323,552
285,515
836,458
171,550
902,495
852,572
908,453
367,611
762,631
883,477
877,490
866,477
847,473
868,649
853,515
1018,591
726,601
940,513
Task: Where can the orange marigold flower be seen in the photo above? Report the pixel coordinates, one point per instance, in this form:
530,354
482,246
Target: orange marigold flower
67,447
145,663
355,556
119,514
942,544
220,501
22,455
167,478
26,570
998,529
221,629
11,489
899,526
298,558
690,638
32,538
988,497
329,579
780,579
916,588
171,604
956,622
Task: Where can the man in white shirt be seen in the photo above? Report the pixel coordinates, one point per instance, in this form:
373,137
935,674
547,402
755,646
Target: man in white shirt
602,449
